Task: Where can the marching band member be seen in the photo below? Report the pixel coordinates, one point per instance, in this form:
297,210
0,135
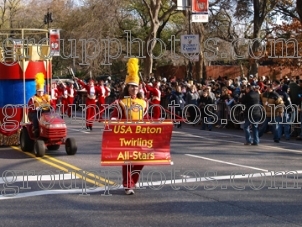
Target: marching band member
64,97
129,99
102,97
38,102
92,92
71,92
54,96
155,98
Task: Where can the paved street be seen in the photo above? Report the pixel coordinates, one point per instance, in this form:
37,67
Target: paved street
215,181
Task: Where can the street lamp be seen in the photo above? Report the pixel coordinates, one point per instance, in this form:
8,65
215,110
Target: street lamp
48,18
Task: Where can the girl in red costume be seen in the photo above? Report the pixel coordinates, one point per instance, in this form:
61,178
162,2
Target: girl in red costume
131,98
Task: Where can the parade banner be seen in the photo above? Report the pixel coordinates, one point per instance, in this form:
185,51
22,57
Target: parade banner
54,36
136,143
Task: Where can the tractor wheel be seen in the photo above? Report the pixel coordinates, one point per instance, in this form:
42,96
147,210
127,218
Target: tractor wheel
53,147
39,148
71,146
26,143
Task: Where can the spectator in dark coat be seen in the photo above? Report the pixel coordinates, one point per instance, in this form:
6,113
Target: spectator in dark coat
176,104
252,115
205,101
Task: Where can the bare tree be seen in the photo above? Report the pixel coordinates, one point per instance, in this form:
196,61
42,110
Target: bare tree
154,7
3,9
8,10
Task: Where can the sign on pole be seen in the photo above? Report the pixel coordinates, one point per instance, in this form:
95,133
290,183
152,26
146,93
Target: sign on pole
201,18
54,37
181,5
189,44
200,11
200,6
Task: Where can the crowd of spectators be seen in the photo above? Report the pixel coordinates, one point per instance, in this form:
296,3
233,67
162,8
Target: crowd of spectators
223,92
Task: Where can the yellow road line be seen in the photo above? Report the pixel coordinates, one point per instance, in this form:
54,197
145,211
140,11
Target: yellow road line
40,159
59,167
76,168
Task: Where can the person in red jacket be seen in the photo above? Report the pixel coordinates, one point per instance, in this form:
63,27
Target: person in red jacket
91,107
129,99
54,96
155,99
64,97
101,98
71,92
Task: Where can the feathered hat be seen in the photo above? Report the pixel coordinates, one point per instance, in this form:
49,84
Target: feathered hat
40,82
132,72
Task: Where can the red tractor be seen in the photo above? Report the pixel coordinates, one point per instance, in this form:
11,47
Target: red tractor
52,134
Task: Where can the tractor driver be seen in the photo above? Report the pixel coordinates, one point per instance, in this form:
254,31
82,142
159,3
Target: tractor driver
38,102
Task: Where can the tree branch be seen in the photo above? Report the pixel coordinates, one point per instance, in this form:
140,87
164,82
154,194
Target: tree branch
167,13
299,9
149,8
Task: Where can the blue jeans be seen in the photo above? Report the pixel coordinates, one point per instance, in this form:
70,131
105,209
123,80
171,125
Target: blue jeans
276,127
210,125
285,126
246,129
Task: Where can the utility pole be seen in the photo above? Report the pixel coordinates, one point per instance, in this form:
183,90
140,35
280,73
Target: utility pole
190,77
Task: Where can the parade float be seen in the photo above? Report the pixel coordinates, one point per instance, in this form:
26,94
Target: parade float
25,53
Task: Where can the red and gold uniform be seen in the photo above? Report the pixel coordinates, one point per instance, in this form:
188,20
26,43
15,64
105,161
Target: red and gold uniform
38,102
64,98
71,93
92,92
133,108
104,92
54,96
155,99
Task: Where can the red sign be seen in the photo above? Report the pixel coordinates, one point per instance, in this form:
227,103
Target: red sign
200,6
136,143
54,36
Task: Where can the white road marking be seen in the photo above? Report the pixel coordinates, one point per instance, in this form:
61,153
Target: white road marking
151,185
228,163
224,177
185,176
235,142
51,192
25,178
